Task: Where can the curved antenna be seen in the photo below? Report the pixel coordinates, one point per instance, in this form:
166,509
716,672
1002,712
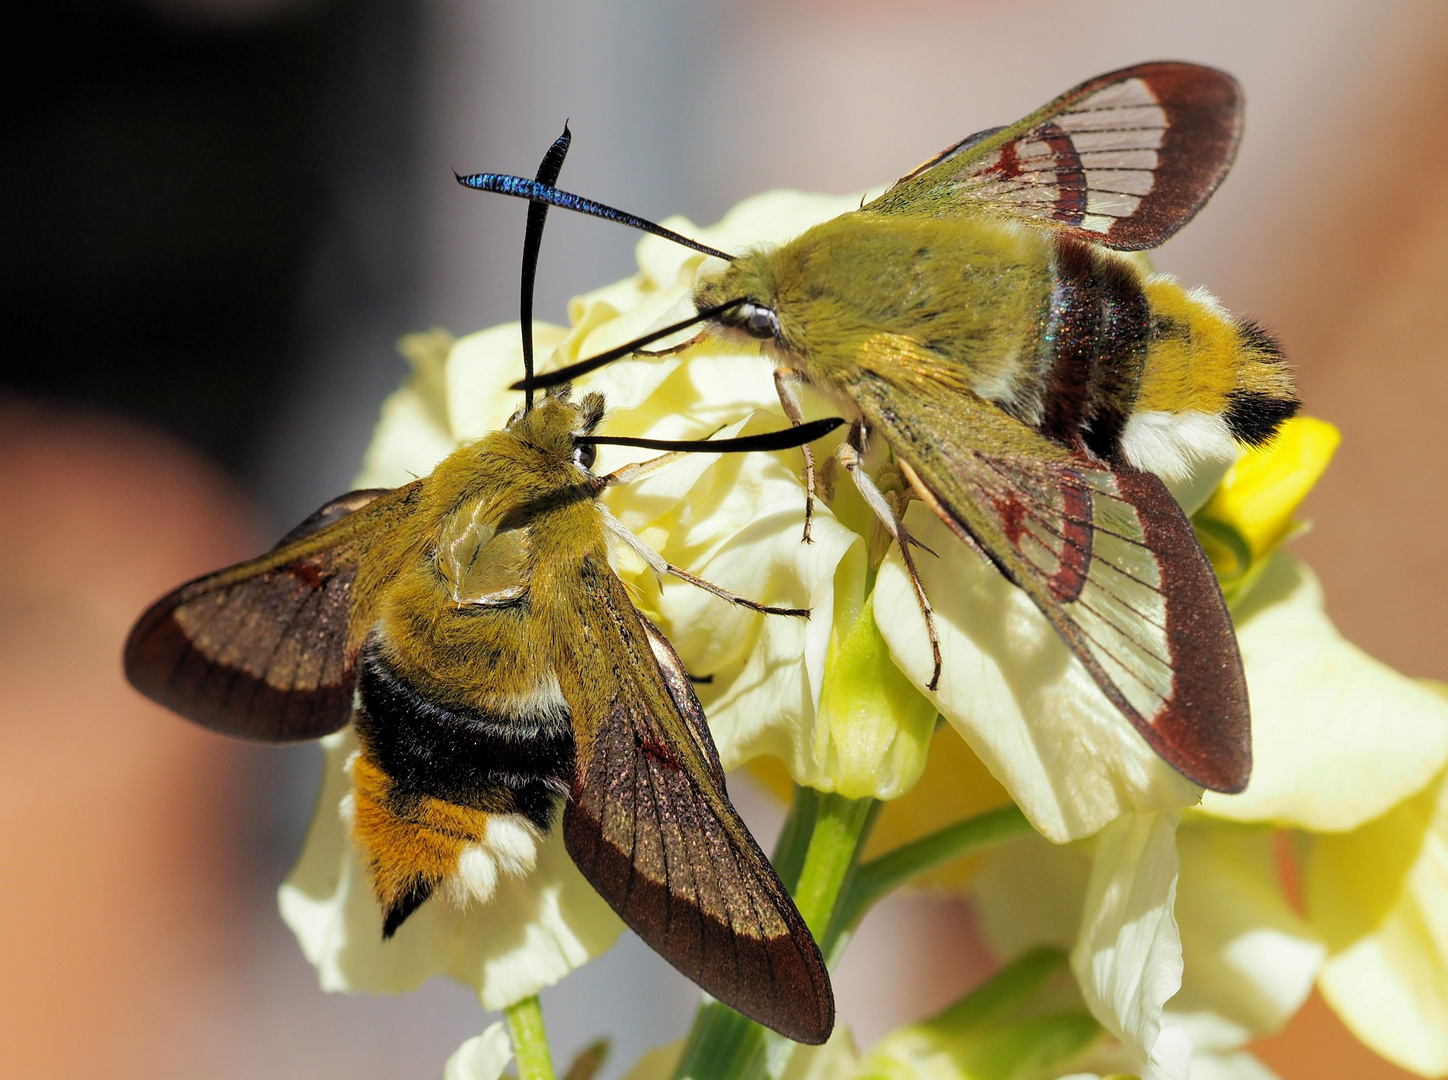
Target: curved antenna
783,439
548,171
522,188
582,367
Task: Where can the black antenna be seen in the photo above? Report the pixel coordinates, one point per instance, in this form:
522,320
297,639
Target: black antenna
522,188
783,439
532,240
583,367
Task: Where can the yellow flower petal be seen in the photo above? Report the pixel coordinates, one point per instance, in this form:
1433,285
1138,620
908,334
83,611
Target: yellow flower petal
1250,514
1249,960
414,432
1379,895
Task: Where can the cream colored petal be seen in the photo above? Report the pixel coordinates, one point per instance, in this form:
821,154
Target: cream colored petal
413,433
1249,959
1110,901
740,528
1337,737
1111,1064
1012,688
1379,895
480,368
533,932
407,443
1127,957
709,397
483,1057
773,217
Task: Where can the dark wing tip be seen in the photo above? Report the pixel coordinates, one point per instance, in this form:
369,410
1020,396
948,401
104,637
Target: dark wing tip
1217,755
401,907
161,661
1205,111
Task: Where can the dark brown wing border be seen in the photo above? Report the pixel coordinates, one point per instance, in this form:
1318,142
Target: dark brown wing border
260,650
649,824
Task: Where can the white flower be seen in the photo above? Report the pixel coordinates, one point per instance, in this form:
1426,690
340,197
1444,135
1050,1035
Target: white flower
483,1057
1182,951
1127,954
1110,902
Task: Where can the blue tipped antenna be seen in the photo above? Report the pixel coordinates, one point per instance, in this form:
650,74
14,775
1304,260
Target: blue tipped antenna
537,191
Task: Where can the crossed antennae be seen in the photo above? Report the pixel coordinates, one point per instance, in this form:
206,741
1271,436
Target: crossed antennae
548,171
542,194
539,191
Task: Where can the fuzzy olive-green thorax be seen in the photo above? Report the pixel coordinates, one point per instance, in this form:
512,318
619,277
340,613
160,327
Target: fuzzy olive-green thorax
972,292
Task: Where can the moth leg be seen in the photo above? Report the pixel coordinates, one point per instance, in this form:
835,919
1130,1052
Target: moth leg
660,566
673,349
725,594
627,474
849,456
784,380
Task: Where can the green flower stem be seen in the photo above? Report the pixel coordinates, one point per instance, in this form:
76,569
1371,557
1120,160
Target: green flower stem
794,838
840,828
875,879
1005,991
530,1039
817,849
722,1045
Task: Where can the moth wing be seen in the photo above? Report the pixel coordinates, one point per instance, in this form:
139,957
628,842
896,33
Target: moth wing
1107,555
266,649
1125,159
651,827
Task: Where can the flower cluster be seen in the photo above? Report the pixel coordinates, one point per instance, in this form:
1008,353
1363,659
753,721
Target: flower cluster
1144,928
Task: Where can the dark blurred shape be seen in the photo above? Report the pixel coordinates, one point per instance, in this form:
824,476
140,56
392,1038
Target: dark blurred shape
120,905
165,183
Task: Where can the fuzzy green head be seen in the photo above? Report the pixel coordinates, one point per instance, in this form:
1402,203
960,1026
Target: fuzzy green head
534,462
551,428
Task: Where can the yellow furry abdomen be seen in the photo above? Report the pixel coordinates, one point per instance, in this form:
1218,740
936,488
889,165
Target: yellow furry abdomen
1200,355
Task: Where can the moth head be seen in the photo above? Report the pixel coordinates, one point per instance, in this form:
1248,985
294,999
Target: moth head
553,425
752,280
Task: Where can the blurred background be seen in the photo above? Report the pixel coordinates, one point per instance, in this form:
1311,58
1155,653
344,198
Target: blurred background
219,216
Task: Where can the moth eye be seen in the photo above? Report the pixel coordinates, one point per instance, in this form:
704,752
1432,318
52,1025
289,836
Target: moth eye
585,455
760,321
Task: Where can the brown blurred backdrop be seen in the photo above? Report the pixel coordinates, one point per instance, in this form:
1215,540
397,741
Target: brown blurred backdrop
221,213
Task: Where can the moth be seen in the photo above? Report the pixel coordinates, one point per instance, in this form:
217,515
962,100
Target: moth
1034,384
471,625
